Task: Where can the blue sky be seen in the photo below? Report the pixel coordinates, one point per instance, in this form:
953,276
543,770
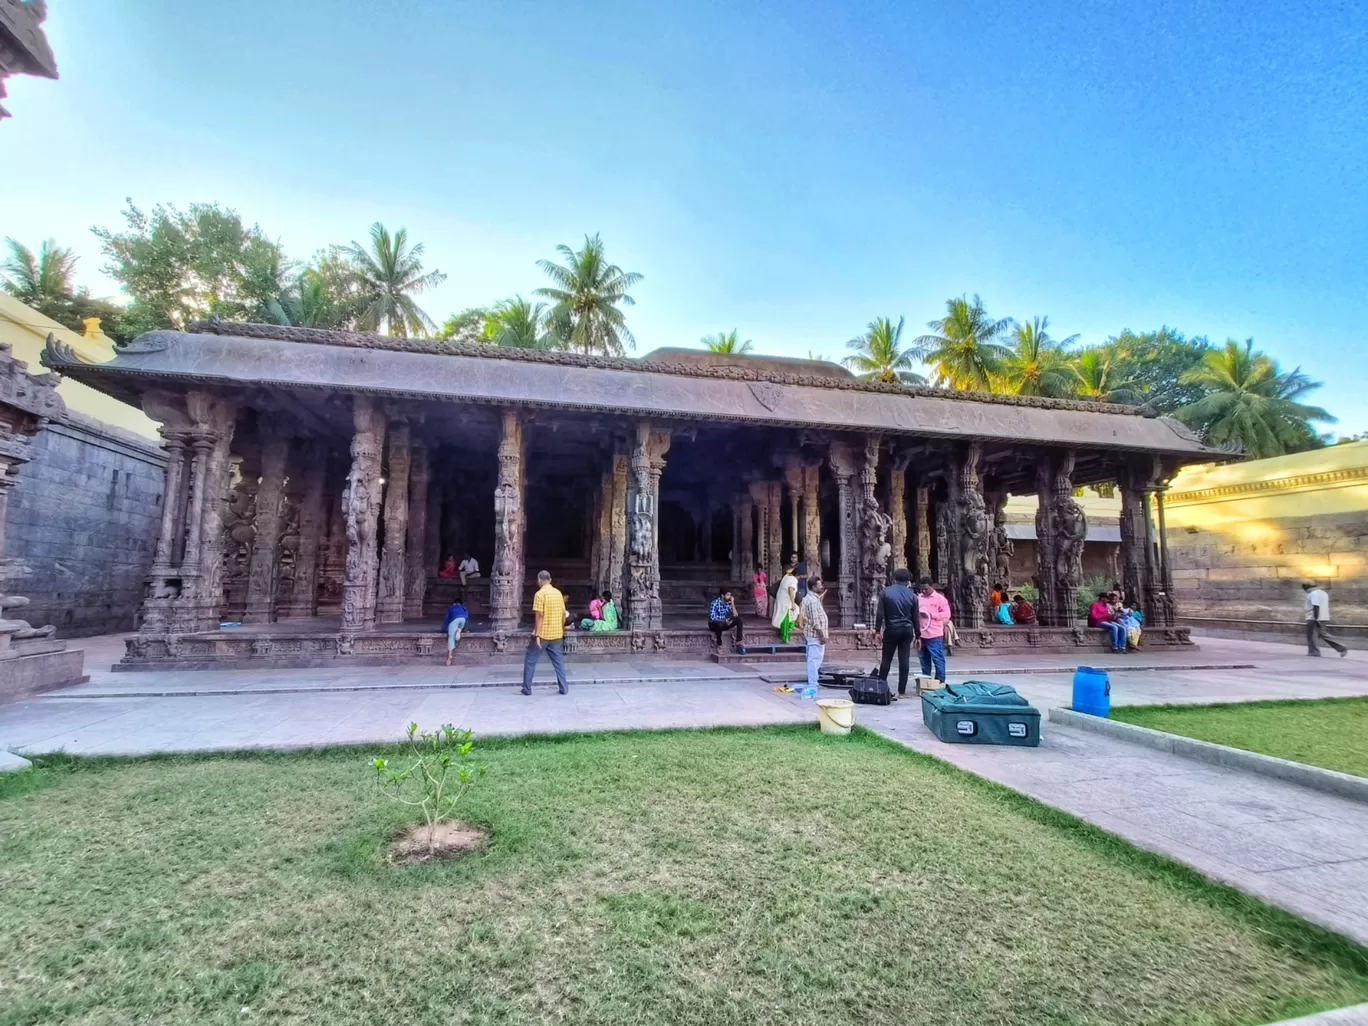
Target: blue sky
788,169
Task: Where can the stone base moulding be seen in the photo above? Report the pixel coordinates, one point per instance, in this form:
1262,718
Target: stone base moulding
1345,785
42,664
244,648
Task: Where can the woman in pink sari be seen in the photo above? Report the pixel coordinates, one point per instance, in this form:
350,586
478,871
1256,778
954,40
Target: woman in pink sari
760,589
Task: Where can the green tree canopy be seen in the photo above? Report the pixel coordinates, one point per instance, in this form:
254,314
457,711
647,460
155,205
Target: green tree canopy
517,323
965,348
1035,364
1097,377
391,275
45,281
178,266
878,354
1251,401
727,342
587,300
1154,362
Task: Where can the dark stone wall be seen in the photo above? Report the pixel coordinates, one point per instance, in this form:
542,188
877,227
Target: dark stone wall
83,518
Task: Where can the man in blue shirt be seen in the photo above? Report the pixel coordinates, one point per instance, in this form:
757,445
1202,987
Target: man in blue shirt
452,624
722,615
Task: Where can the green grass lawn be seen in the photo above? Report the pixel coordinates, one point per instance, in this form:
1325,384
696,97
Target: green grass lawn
710,878
1327,732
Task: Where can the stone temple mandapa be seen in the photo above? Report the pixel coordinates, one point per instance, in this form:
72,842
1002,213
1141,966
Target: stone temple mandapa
317,481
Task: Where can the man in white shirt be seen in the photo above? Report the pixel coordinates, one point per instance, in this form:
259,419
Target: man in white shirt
1317,608
468,568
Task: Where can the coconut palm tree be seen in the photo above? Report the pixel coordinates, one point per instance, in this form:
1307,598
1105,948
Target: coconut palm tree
391,274
38,280
878,354
587,298
1096,377
1251,401
727,342
965,350
1035,363
517,323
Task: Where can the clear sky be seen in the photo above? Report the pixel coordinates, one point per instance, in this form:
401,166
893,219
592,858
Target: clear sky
788,169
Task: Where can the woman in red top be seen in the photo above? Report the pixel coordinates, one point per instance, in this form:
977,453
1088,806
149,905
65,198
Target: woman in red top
1101,616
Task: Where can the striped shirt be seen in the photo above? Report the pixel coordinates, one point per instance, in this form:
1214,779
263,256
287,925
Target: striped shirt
551,604
815,624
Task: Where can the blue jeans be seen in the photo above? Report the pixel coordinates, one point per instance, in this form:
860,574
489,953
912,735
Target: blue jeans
1118,634
454,628
554,653
816,652
933,658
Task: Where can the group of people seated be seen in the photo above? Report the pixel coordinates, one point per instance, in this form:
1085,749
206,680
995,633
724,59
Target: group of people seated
1016,612
1121,622
465,570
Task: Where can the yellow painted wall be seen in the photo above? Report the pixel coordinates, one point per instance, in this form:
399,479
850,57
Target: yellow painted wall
1244,536
25,331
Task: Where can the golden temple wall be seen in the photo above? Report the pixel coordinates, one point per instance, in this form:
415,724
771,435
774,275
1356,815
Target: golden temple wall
1244,536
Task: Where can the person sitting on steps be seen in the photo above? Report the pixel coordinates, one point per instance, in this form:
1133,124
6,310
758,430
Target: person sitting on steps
722,616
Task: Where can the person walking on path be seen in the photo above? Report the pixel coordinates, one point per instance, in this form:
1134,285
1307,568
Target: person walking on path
933,613
452,625
1317,608
548,634
813,619
895,623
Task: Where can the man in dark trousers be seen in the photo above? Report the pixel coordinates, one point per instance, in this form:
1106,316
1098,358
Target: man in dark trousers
896,624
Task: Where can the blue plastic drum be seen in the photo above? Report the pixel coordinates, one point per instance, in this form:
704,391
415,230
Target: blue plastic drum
1091,691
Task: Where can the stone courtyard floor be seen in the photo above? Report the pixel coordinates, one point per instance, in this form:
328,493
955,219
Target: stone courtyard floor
1300,849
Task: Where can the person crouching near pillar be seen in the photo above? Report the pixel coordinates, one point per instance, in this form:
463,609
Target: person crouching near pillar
813,620
452,625
548,634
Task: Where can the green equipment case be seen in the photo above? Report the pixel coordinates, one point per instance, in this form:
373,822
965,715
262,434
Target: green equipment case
978,712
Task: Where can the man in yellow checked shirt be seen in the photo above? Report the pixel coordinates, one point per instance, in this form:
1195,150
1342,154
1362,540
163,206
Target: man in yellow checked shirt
548,633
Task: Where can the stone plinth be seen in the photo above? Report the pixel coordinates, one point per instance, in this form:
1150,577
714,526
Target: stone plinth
33,665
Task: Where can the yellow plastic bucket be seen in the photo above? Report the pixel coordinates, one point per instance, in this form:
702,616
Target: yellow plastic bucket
835,715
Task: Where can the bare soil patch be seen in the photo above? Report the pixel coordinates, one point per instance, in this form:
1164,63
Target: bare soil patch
443,841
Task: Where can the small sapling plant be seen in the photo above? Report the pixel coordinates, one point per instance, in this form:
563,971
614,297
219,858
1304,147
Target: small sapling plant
436,776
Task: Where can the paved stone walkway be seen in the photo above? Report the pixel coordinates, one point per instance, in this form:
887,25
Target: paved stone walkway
1305,851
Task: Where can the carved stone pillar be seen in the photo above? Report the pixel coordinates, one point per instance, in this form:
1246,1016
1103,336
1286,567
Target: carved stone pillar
793,483
897,509
774,530
361,506
432,538
923,532
745,543
616,551
643,553
270,509
415,543
1061,530
173,501
873,527
303,597
812,518
1000,547
734,570
507,573
760,497
974,534
600,531
389,600
1141,569
196,605
842,462
1167,613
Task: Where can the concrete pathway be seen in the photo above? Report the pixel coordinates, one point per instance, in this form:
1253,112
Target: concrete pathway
1305,851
